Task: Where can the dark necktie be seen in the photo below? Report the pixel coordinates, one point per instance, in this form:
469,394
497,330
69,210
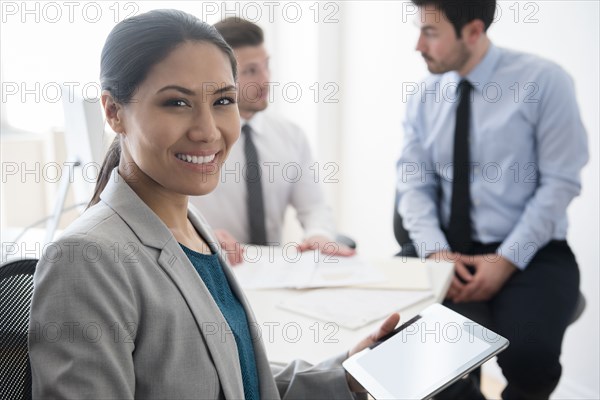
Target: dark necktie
459,229
256,207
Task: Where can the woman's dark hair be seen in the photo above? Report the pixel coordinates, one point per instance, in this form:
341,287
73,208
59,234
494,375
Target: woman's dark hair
132,48
461,12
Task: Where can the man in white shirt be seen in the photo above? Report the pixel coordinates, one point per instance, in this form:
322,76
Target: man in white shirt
269,168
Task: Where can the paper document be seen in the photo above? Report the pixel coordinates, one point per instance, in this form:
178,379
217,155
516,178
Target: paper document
282,268
352,308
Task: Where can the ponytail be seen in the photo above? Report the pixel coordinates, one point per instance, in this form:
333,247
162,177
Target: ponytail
111,160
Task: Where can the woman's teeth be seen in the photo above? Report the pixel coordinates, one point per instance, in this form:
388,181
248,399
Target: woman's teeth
196,159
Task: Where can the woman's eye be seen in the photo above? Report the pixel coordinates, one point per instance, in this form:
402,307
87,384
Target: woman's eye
177,103
225,101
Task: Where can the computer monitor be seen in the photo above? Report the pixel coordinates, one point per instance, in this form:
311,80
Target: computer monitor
84,138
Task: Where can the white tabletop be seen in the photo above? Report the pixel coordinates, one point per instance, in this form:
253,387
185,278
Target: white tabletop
288,336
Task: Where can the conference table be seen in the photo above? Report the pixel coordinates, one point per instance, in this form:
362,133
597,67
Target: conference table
288,335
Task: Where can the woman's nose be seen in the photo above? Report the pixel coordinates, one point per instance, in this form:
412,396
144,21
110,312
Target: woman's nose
204,128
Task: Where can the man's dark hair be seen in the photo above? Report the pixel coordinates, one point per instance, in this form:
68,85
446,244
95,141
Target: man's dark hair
238,32
461,12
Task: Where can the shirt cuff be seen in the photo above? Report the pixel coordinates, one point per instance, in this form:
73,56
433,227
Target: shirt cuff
517,251
431,242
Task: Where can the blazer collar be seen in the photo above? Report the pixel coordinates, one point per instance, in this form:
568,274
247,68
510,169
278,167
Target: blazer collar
148,227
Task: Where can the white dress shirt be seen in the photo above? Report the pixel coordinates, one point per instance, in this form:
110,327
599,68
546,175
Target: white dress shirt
288,178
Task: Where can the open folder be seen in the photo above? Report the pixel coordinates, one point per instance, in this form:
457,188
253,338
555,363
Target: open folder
280,268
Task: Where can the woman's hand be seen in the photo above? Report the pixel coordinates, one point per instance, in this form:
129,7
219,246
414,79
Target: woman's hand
388,325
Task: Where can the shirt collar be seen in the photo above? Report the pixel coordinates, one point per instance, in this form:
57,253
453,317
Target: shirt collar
256,123
480,75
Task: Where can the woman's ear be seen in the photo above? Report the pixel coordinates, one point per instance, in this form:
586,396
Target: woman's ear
113,111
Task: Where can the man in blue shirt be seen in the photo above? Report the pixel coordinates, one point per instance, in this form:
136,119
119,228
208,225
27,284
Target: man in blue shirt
492,154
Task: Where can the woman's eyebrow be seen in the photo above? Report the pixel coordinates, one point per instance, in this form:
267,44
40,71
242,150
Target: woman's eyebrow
178,88
218,90
222,89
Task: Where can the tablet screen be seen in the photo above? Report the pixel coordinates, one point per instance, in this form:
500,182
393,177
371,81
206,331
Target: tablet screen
425,355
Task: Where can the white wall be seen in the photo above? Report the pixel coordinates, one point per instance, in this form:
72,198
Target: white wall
573,45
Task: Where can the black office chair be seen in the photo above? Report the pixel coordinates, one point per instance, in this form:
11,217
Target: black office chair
407,247
579,308
16,288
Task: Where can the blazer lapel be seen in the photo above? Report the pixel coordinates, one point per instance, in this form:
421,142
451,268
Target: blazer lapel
152,232
268,387
208,316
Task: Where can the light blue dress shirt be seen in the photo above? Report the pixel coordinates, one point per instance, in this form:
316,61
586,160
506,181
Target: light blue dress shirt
527,149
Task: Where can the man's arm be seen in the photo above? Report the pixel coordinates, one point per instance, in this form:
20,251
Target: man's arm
418,187
561,154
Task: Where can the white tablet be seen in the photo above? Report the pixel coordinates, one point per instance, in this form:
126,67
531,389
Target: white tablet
424,355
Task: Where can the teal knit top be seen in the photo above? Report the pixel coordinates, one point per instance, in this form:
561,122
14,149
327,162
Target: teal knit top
210,270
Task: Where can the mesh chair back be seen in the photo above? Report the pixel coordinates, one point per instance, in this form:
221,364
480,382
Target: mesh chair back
16,288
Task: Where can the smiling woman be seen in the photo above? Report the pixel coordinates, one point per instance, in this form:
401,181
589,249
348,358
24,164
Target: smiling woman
175,116
186,100
144,301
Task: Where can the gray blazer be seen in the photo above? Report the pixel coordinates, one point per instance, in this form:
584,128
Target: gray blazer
119,312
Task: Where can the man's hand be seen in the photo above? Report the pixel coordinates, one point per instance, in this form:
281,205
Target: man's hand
388,325
234,250
326,246
460,269
491,273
